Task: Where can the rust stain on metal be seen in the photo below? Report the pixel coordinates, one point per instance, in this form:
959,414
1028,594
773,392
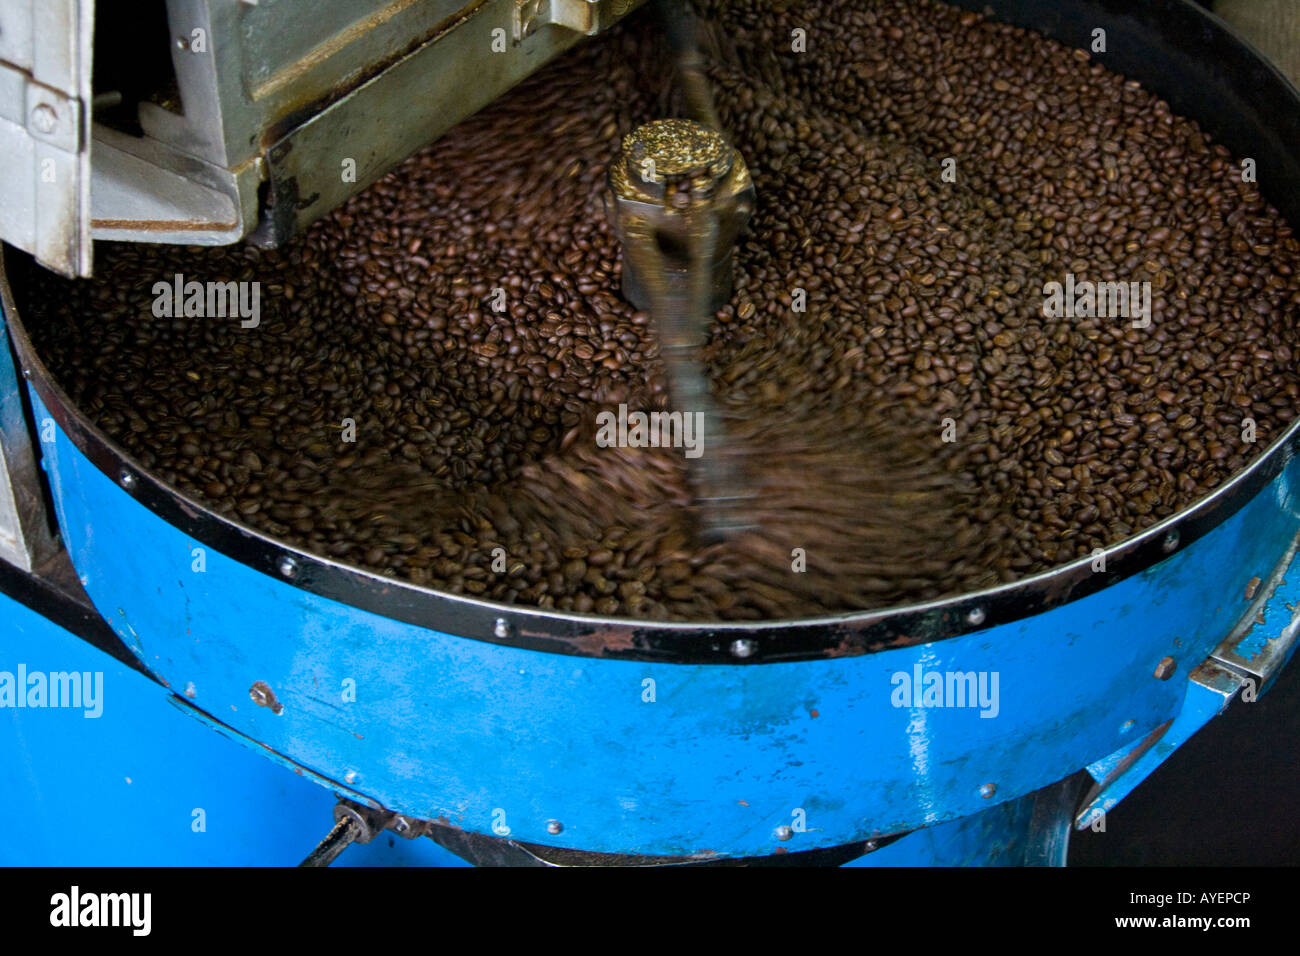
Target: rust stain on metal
601,642
262,695
1252,587
161,225
851,643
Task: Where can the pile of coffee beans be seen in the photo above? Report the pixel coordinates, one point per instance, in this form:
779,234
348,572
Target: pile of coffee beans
419,396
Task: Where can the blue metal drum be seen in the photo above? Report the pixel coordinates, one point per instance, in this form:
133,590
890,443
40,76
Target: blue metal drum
624,752
484,724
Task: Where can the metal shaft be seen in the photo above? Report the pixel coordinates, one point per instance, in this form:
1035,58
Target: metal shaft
344,834
681,311
678,23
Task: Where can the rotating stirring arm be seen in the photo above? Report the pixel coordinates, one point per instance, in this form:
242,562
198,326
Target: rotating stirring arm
679,195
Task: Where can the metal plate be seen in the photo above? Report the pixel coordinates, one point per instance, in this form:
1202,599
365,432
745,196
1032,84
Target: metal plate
45,130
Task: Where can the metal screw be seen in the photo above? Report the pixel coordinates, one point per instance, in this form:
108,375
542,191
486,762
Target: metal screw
44,119
975,616
988,790
401,824
1165,669
350,776
743,647
127,479
1170,542
870,845
554,827
262,695
190,691
288,566
784,833
502,628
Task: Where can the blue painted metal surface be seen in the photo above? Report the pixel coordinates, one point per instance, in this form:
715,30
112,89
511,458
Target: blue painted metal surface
1031,831
1248,661
1209,691
123,788
492,737
144,784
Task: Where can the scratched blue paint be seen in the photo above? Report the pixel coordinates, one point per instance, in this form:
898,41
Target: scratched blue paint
478,733
121,789
1269,635
1280,614
146,767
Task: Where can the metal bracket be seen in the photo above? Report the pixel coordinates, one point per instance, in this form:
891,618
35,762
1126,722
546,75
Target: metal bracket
51,116
1210,689
1257,649
25,527
1245,658
44,110
587,17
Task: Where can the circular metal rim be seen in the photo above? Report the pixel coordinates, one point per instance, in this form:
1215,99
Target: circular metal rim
747,643
736,643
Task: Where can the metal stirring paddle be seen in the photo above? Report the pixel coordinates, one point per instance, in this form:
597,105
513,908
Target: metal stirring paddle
679,195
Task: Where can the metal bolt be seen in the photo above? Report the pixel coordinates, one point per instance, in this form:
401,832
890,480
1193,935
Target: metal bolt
127,479
1170,542
44,119
870,845
190,691
262,695
554,827
988,790
743,647
502,628
784,833
350,776
975,616
288,566
1165,669
401,824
